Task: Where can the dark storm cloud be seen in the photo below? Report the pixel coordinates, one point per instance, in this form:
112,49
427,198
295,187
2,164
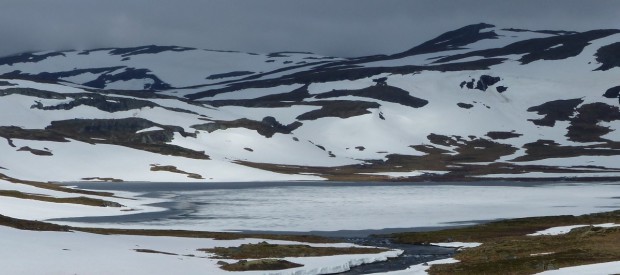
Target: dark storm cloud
331,27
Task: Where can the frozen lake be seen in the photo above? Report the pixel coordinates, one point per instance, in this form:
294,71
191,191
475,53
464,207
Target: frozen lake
333,206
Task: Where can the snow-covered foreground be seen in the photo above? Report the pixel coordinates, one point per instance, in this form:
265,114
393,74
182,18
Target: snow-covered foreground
367,206
31,252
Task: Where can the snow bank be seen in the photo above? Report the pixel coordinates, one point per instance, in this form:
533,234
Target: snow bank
561,230
458,244
420,269
31,252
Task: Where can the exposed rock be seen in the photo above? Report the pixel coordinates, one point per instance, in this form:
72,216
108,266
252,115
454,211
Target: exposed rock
380,92
228,75
124,132
608,56
32,93
482,84
584,126
341,109
13,132
613,92
36,151
150,49
557,110
465,105
503,135
266,127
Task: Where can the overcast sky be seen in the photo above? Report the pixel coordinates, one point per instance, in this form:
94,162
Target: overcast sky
329,27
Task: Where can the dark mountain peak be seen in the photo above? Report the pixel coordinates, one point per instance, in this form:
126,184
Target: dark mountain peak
553,32
148,49
28,57
453,39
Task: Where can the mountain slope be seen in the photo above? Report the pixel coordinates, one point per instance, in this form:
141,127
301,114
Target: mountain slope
479,101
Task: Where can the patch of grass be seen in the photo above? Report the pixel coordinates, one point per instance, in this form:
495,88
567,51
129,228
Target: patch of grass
204,234
55,187
517,255
154,252
31,225
503,228
266,250
73,200
507,249
174,169
263,264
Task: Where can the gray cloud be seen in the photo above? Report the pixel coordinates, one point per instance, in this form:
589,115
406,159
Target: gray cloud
330,27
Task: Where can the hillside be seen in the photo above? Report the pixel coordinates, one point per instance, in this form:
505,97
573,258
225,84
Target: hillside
477,102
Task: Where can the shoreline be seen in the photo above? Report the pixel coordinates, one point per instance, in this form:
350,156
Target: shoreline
191,186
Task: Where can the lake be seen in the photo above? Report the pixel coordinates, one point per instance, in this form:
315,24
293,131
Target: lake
346,208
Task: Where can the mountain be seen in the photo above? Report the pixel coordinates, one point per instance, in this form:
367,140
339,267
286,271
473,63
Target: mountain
477,102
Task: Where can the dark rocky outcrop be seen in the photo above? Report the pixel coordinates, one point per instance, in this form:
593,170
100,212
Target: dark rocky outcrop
103,103
613,92
502,135
267,127
465,105
298,94
584,126
608,56
32,93
127,75
227,75
150,49
13,132
557,110
483,83
98,100
543,149
380,92
124,132
341,109
501,89
27,58
36,151
541,31
56,76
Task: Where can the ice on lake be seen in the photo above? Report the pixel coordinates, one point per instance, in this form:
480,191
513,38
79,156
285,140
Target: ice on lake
333,206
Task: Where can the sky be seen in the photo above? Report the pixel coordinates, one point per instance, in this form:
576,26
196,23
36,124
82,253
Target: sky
343,28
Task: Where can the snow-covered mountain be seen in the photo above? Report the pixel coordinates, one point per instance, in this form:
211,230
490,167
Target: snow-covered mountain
476,102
